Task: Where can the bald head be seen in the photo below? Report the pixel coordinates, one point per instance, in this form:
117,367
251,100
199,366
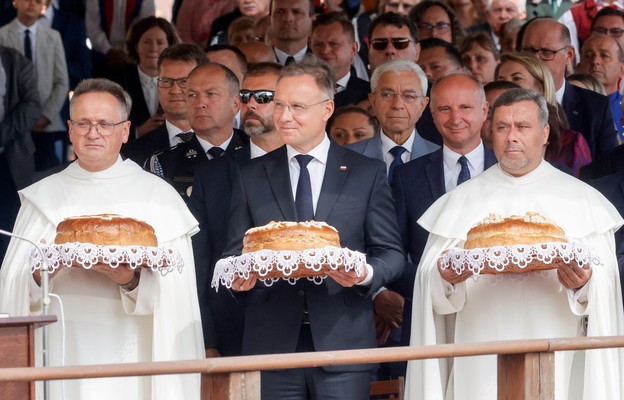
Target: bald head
602,57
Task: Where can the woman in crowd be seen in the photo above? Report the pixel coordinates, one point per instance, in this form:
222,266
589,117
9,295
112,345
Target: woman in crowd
434,19
566,147
146,40
480,56
351,124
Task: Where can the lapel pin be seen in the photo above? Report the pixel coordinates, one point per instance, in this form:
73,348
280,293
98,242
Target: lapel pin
238,147
343,167
192,153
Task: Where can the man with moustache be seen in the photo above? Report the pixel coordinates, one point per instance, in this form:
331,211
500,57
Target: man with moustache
222,315
212,101
291,22
341,188
174,65
567,301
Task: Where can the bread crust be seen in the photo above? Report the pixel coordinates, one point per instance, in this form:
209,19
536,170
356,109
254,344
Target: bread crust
105,230
296,236
530,229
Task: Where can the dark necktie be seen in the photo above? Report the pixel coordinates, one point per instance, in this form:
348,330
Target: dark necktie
27,45
289,60
215,152
185,136
396,152
303,197
464,174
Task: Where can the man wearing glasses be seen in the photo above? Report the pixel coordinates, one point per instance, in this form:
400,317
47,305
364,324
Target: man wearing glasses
392,37
174,65
587,112
111,315
312,178
610,21
210,204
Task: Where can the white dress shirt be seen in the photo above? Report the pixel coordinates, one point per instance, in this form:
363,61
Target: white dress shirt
387,144
206,145
452,168
172,131
21,29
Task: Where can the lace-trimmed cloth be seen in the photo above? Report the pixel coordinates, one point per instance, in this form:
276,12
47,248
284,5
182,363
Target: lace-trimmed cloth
272,265
164,259
517,258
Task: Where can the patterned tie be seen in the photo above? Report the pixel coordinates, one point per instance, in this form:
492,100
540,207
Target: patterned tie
464,174
396,152
289,60
215,152
303,197
27,45
185,136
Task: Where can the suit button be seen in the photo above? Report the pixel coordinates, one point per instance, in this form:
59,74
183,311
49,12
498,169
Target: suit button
301,293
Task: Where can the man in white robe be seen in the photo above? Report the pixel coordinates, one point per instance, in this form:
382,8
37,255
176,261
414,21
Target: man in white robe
564,302
110,315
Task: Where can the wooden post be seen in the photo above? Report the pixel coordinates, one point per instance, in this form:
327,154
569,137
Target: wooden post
231,386
526,376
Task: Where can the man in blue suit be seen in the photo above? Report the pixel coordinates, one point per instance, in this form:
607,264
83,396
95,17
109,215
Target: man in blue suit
398,99
313,178
459,109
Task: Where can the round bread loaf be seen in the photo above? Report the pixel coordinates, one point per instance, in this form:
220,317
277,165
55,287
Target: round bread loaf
105,230
495,230
295,236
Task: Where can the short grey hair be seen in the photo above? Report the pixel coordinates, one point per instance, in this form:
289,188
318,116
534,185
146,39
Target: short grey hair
313,66
514,96
399,66
100,85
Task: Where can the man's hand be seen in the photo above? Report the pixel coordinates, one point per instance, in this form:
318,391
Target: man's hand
240,284
152,123
572,276
449,275
212,352
388,308
347,278
41,123
120,275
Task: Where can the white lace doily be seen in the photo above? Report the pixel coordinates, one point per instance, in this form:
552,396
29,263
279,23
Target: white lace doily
163,258
290,265
517,258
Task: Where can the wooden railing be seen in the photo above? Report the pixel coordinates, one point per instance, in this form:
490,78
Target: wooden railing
525,366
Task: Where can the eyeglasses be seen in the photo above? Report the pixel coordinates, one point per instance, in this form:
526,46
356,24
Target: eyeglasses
440,26
166,83
398,43
103,128
613,32
260,96
544,54
295,109
389,95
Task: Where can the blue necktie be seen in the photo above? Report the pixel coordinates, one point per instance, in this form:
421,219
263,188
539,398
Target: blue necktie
27,45
396,152
303,196
464,174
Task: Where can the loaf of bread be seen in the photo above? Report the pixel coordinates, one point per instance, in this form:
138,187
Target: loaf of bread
295,236
495,230
105,230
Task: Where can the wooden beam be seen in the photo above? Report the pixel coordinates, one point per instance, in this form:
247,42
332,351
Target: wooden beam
528,376
233,386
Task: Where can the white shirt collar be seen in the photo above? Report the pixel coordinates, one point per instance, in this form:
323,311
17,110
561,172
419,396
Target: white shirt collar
342,82
255,150
388,144
21,28
559,93
476,164
282,56
172,131
320,152
206,145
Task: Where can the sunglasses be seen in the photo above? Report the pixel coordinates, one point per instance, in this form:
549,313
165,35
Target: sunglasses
397,43
260,96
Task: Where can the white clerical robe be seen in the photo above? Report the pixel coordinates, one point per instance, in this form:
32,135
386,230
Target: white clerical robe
158,321
523,306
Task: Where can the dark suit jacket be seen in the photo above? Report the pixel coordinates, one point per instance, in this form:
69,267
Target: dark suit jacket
374,148
77,54
590,113
356,200
416,185
179,162
612,163
141,150
612,187
357,89
139,112
22,108
222,314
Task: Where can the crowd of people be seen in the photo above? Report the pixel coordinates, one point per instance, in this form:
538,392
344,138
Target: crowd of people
401,124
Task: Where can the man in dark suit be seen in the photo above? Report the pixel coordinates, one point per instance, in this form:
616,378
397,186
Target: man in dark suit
19,110
212,101
333,41
459,109
174,65
210,203
612,187
398,101
346,191
587,112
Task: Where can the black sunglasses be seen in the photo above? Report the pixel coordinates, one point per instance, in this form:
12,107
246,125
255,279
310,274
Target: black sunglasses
261,96
398,43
